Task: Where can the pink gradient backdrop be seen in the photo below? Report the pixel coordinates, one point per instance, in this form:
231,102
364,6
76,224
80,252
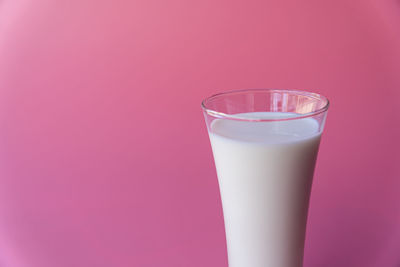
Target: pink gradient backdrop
104,155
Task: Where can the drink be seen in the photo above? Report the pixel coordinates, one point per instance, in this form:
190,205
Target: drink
265,172
265,145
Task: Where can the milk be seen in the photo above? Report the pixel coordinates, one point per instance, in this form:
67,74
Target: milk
265,172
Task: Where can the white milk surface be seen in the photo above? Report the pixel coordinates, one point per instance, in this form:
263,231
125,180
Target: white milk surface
265,172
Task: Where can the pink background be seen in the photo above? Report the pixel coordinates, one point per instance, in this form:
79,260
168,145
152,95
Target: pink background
104,155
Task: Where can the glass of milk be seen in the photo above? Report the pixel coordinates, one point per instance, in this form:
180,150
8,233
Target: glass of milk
265,144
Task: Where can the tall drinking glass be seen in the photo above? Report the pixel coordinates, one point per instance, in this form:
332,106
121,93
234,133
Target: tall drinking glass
265,144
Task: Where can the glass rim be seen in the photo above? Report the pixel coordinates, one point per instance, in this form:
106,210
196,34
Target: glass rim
222,115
